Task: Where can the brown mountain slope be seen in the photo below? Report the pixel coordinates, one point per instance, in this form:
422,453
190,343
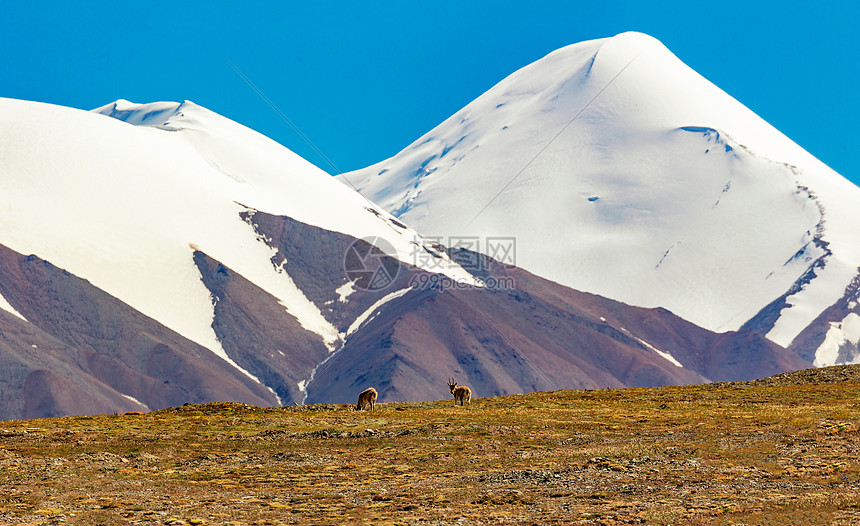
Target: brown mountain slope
741,355
42,376
536,336
87,338
257,332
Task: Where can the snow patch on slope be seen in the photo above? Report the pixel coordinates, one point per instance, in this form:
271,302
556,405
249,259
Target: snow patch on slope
258,266
136,401
5,305
359,321
664,354
840,345
344,291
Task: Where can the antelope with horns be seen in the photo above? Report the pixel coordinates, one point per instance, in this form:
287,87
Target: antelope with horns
366,398
461,394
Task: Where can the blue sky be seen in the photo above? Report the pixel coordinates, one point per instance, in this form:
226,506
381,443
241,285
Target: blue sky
362,80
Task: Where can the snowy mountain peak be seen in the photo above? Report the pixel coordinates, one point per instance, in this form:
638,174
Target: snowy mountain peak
621,171
631,41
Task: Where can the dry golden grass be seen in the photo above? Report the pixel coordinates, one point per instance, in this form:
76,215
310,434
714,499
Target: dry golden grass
736,454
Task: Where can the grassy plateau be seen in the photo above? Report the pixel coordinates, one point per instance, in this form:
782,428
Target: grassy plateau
777,451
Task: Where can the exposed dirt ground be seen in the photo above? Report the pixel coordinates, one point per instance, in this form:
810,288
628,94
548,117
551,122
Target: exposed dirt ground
779,451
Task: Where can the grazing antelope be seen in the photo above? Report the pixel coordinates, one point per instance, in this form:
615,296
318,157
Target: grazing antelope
366,398
461,394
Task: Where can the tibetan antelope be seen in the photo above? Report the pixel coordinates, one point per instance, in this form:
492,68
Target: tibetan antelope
461,394
366,398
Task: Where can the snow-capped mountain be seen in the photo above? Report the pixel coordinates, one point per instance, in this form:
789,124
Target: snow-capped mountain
146,197
156,254
622,172
128,203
